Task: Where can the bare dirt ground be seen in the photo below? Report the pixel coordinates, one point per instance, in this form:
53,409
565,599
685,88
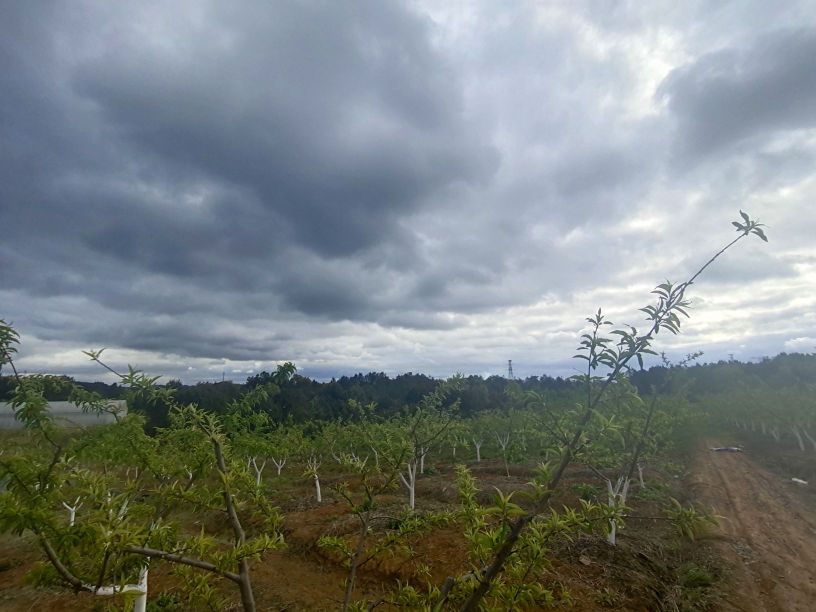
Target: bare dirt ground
768,534
766,544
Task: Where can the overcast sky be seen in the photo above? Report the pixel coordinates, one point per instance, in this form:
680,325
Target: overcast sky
437,187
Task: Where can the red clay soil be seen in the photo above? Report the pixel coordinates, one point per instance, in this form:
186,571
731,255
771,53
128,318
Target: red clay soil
767,544
768,535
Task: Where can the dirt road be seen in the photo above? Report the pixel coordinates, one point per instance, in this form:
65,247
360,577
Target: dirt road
768,536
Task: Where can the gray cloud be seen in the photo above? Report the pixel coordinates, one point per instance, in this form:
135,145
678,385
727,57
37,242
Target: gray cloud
728,97
390,186
337,121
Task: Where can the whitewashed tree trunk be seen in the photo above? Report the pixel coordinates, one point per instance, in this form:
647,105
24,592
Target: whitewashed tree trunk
799,439
810,438
640,476
423,450
410,482
311,467
617,498
140,603
72,510
503,441
258,471
478,445
279,464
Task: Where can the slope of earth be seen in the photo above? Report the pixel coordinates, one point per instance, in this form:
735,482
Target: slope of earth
768,535
650,569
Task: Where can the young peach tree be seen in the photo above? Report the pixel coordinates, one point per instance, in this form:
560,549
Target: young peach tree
123,491
607,356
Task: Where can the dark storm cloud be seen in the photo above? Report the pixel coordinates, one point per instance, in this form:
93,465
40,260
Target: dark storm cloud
338,120
205,146
727,97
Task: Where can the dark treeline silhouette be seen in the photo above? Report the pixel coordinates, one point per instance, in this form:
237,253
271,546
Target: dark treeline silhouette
785,371
300,398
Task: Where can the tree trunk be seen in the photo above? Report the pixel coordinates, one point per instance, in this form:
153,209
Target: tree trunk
799,440
355,559
410,482
247,598
810,438
140,605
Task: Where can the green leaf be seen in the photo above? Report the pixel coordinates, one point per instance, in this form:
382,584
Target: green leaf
760,233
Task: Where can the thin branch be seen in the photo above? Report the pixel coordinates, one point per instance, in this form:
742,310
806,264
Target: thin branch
181,559
63,571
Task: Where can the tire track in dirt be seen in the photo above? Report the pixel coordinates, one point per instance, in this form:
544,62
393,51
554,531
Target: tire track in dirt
768,536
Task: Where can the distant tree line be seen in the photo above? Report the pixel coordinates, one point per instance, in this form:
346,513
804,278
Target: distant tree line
301,398
786,371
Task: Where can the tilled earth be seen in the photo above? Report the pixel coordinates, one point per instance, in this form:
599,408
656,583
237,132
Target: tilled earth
766,543
769,535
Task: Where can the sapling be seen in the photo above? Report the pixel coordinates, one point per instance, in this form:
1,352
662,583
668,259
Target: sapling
798,436
599,351
286,440
524,584
646,431
121,530
393,448
616,502
504,441
410,481
427,424
258,470
809,437
72,510
279,463
312,466
423,451
477,443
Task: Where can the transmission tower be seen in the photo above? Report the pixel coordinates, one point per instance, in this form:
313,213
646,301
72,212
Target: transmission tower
510,369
